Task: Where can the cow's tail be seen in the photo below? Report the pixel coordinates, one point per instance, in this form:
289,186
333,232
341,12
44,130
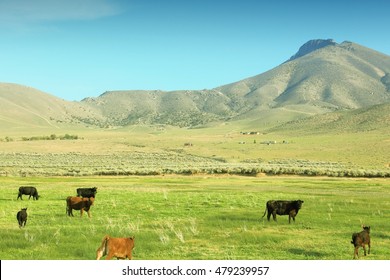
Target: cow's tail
354,236
265,212
102,250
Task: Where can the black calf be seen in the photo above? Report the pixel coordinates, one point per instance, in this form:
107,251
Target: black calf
22,217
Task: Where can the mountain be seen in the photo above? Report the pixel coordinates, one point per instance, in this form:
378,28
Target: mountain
178,108
23,106
312,46
322,77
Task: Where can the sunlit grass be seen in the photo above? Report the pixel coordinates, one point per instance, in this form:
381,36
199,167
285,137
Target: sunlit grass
197,217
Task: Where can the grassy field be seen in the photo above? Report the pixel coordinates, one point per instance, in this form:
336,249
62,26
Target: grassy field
221,149
197,217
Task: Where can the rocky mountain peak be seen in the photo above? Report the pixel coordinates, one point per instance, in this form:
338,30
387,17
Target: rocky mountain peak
313,45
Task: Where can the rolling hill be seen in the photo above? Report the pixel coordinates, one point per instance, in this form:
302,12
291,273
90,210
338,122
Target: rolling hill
322,77
376,117
23,106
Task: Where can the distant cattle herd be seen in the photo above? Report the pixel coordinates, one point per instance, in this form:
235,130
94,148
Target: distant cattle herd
121,248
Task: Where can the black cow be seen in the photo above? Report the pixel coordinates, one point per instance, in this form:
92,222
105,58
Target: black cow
22,217
283,207
361,239
87,192
31,191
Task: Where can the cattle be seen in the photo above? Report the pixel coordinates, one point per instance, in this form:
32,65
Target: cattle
283,207
21,216
27,190
78,203
361,239
87,192
120,248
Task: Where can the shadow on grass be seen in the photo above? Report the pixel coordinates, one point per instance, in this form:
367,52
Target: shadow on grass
236,218
308,253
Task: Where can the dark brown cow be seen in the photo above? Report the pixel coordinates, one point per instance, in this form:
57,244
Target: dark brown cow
28,190
361,239
21,216
87,192
283,207
120,248
78,203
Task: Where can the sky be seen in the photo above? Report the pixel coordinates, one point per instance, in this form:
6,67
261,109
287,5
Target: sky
75,49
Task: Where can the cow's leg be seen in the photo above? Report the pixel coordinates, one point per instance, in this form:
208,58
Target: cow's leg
356,253
81,212
293,217
89,214
364,249
274,216
268,215
369,247
109,256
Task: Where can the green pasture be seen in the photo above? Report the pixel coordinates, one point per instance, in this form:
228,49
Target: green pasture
361,151
197,217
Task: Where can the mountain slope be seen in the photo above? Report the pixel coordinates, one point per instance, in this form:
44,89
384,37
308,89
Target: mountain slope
323,76
28,107
344,76
376,117
178,108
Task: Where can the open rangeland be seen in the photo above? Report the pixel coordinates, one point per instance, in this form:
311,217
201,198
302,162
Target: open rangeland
197,217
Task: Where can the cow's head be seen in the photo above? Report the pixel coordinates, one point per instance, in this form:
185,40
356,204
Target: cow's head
366,228
299,203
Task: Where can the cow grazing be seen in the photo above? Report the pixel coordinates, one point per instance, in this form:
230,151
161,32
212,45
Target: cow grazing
361,239
283,207
87,192
27,190
78,203
120,248
21,216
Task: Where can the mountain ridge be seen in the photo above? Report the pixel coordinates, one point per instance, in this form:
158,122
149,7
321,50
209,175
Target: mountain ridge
312,45
322,77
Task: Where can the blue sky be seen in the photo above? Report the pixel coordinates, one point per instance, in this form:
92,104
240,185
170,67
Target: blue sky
81,48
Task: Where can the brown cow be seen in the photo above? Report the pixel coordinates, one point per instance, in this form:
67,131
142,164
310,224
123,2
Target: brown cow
78,203
21,216
120,248
361,239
